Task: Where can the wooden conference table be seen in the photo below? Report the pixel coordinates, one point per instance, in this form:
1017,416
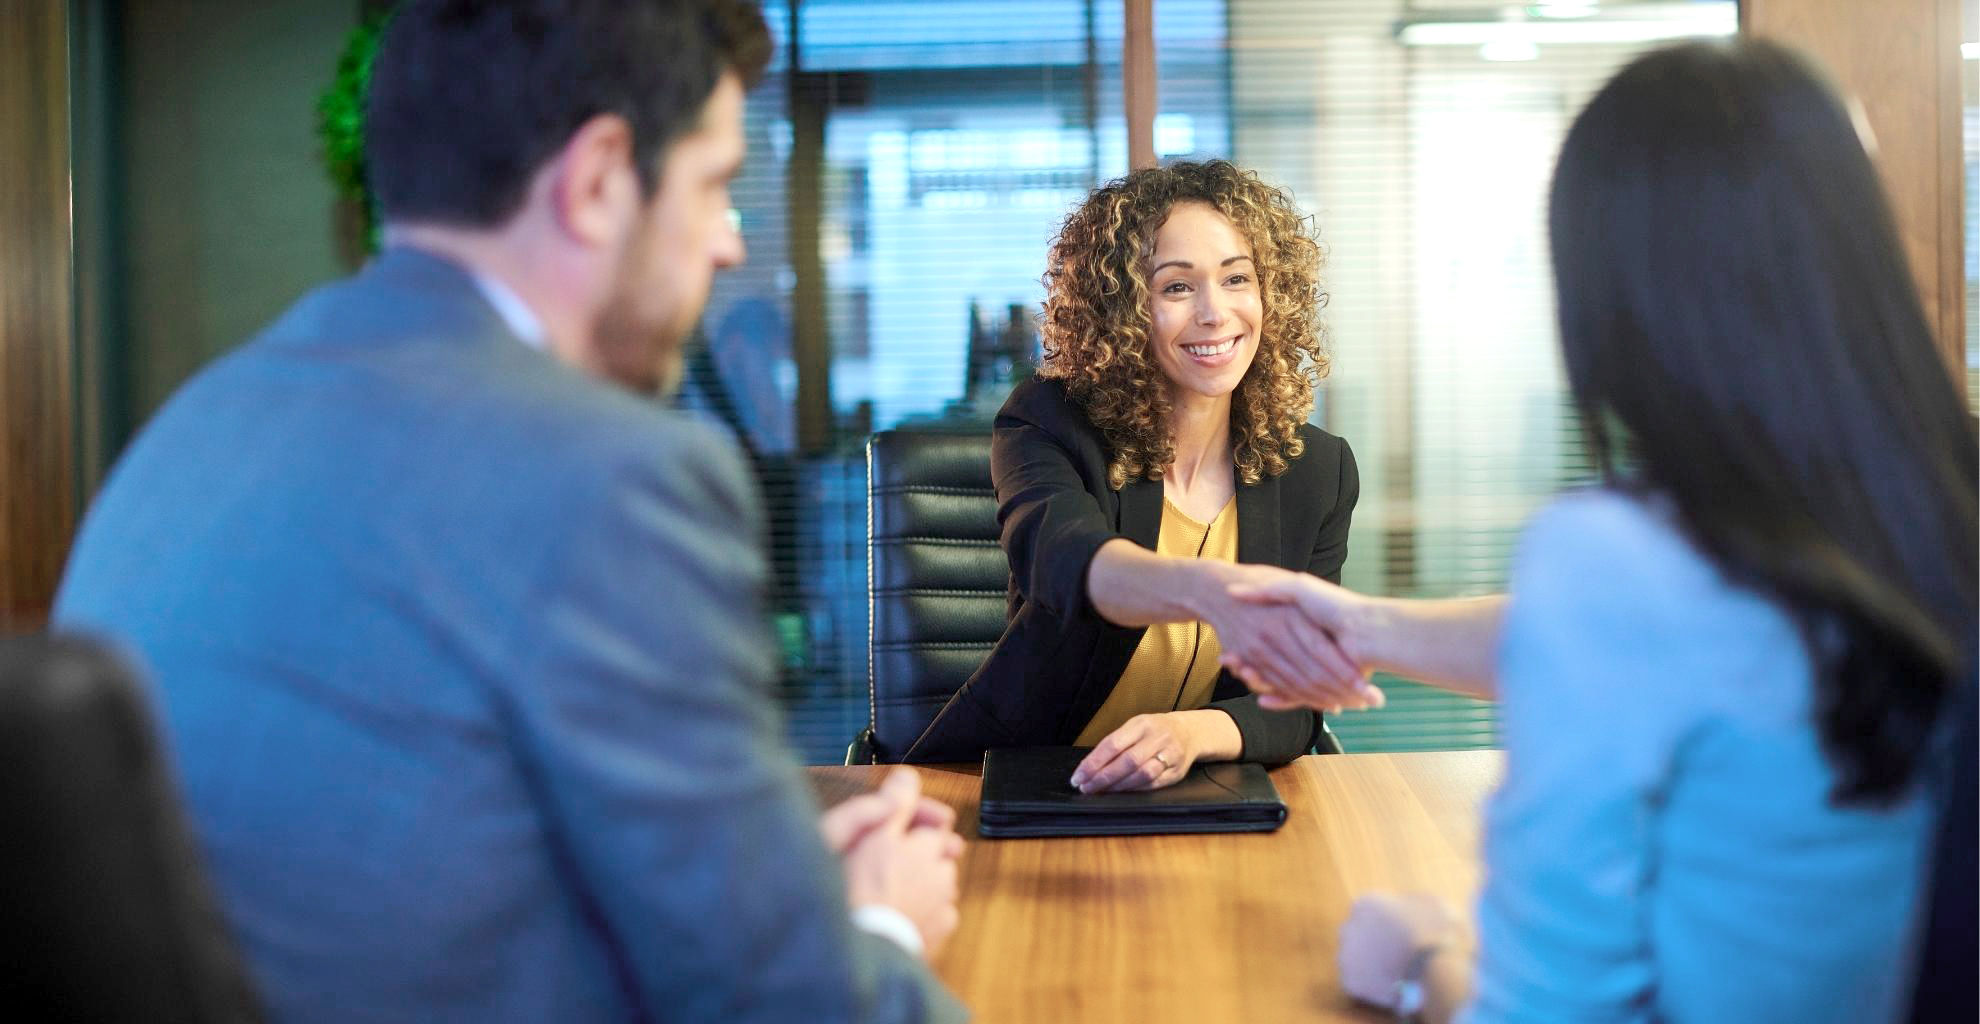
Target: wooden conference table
1211,928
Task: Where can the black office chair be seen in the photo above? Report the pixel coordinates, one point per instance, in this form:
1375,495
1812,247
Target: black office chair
936,583
936,580
109,917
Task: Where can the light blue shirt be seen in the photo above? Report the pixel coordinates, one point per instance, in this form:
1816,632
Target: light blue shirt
515,313
1663,847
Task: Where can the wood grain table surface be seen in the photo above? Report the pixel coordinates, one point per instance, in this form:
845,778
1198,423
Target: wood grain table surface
1209,928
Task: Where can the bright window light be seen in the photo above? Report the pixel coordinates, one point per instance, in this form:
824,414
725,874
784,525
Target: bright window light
1508,50
1174,134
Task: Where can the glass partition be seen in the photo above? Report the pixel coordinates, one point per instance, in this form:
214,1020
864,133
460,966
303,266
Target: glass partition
903,288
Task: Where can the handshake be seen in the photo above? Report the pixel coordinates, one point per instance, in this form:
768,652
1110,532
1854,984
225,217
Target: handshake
1295,639
1299,641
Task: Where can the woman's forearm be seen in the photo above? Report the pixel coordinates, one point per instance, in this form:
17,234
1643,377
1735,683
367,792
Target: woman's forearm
1213,735
1130,585
1275,646
1451,642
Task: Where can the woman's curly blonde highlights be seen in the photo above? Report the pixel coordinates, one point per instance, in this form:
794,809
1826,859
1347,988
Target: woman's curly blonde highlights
1097,317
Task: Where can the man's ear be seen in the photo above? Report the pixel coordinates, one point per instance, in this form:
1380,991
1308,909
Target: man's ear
594,189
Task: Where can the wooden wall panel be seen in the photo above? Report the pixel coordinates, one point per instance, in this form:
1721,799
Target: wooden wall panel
1901,59
1138,79
37,477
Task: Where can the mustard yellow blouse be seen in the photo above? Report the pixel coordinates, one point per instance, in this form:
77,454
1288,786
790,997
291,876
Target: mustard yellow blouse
1175,668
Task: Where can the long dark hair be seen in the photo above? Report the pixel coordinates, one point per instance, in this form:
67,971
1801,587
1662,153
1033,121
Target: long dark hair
1742,335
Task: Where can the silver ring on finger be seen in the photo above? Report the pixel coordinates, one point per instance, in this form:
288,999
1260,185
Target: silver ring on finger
1165,761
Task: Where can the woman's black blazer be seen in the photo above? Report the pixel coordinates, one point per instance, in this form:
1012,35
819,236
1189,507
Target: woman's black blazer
1058,659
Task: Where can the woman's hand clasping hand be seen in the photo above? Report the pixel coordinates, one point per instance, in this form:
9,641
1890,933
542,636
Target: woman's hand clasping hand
1336,679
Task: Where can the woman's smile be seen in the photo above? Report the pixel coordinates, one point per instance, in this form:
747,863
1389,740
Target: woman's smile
1214,353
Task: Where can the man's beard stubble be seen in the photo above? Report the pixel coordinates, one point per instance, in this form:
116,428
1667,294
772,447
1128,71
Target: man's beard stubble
639,353
631,354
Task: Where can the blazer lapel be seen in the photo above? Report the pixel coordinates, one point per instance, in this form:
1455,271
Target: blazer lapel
1139,520
1141,512
1258,523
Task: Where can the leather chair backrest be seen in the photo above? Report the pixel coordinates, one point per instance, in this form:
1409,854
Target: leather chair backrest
936,577
109,917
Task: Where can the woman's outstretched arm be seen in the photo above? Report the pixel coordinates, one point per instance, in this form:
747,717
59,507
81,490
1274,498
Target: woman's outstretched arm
1452,643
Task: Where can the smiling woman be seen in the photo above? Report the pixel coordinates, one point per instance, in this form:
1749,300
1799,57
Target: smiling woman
1161,455
1102,278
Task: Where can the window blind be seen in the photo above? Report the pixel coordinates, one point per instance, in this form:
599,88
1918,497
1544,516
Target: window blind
947,149
1422,139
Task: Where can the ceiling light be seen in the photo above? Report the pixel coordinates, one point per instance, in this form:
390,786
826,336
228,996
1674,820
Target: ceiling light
1636,23
1562,10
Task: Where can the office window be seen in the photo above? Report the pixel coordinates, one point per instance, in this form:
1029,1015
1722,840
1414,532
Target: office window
1422,137
946,151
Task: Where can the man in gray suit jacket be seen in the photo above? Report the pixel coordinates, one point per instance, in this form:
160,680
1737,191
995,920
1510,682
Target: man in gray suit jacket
456,636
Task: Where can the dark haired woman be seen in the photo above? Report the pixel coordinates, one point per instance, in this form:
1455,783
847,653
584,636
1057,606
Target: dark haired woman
1721,676
1164,443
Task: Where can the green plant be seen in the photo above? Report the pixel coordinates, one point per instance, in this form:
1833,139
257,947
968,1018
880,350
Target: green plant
340,122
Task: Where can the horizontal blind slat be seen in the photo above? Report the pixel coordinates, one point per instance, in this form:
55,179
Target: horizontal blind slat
954,145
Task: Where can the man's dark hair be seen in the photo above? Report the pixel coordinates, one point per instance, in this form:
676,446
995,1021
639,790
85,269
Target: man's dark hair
468,98
1738,320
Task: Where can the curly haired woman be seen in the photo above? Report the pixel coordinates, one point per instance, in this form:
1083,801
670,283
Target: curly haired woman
1161,455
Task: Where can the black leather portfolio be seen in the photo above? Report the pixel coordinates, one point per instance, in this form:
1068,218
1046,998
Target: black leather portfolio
1028,791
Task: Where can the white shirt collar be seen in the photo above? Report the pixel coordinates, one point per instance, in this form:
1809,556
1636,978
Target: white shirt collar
512,309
